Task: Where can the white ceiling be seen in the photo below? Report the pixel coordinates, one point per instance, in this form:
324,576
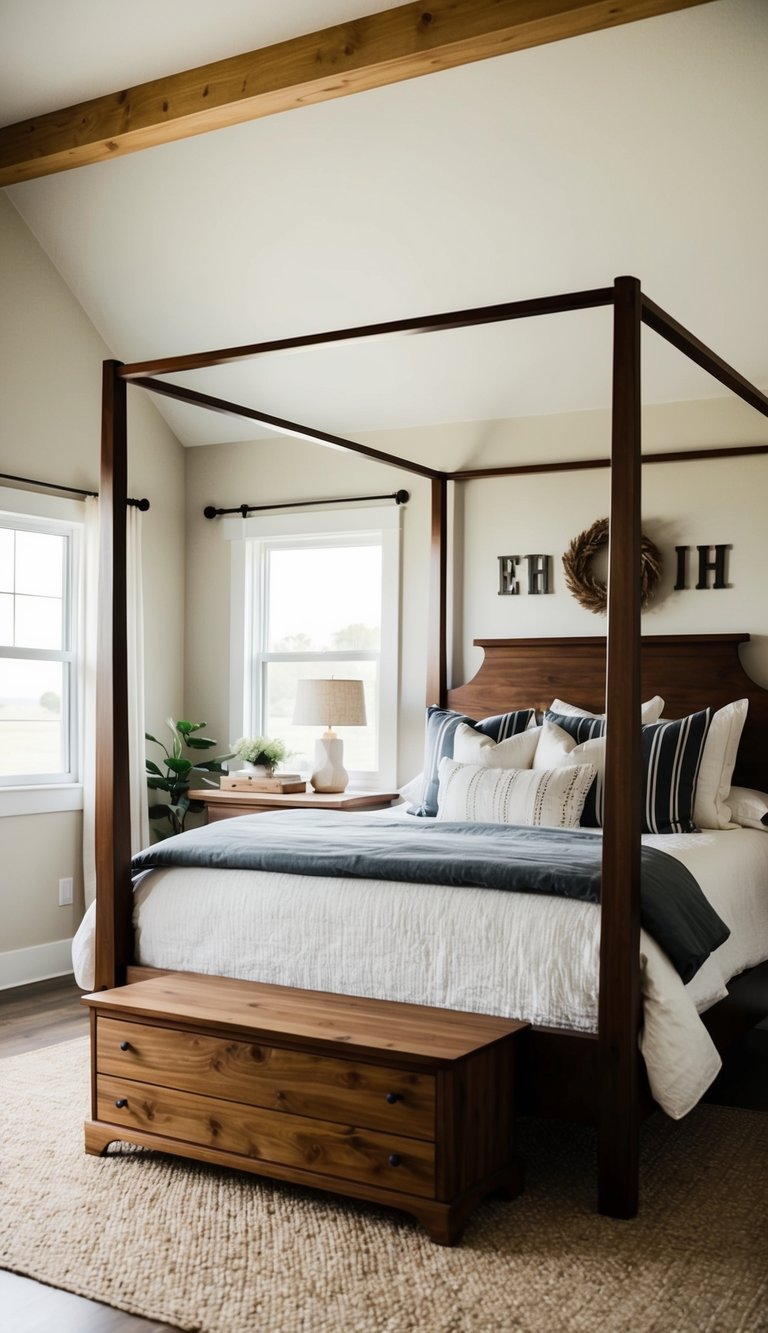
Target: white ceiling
637,150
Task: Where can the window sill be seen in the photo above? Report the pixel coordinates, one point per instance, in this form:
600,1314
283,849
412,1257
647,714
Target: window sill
40,800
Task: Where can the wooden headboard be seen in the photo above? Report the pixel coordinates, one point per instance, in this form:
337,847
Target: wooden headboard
689,671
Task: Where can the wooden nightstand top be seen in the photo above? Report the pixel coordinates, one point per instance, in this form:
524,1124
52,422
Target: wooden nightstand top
225,804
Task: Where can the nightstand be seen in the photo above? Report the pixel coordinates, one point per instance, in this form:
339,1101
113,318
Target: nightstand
226,804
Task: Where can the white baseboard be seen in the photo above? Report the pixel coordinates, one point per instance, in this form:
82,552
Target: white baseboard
18,967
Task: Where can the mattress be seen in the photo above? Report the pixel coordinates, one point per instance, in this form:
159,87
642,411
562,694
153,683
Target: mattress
518,955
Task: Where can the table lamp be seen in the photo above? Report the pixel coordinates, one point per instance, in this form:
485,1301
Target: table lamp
336,703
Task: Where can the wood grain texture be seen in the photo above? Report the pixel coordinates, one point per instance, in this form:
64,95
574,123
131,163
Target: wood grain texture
345,1025
322,1146
229,804
439,1130
689,671
364,53
289,1081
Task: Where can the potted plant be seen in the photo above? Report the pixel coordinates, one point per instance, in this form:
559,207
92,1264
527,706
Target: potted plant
260,753
178,772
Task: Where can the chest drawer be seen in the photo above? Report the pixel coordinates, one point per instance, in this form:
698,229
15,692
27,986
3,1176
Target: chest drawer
338,1150
321,1087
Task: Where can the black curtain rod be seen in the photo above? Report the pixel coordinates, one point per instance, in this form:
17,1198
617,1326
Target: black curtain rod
400,497
143,505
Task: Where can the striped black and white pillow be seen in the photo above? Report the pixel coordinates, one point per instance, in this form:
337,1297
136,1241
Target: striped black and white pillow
672,754
441,730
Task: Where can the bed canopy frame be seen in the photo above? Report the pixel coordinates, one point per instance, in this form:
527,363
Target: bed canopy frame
617,660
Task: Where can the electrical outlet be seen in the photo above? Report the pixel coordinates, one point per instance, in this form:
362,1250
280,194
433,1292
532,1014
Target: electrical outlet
65,892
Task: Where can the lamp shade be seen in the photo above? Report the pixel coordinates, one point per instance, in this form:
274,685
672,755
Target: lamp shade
331,703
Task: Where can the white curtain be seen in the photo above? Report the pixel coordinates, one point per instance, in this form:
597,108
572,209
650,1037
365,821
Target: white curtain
136,724
88,693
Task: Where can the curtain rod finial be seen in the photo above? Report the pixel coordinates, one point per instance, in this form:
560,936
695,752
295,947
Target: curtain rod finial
210,511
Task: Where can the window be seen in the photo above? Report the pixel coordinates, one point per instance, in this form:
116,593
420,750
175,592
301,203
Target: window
319,598
39,583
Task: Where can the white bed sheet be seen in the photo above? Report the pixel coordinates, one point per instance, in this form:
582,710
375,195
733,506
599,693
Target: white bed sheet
521,955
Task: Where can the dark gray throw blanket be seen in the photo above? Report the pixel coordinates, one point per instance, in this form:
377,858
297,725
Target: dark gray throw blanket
563,862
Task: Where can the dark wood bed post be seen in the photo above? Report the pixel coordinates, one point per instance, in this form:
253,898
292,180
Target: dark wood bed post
437,649
113,840
619,1001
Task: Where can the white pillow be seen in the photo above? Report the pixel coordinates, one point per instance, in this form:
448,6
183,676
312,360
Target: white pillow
710,806
650,711
473,747
471,792
413,791
558,749
749,807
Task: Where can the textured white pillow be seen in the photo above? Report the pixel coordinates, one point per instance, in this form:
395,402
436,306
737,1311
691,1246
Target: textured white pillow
749,807
471,792
650,711
557,749
473,747
710,807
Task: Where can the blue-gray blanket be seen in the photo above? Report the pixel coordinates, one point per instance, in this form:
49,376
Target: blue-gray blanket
563,862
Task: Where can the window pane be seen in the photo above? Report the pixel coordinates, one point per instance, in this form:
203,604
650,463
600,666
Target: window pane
39,563
6,560
324,598
6,619
32,730
360,743
38,622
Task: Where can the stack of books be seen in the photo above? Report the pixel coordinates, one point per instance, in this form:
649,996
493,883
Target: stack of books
281,783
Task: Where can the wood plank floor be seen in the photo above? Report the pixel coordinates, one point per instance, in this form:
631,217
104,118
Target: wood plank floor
30,1017
49,1012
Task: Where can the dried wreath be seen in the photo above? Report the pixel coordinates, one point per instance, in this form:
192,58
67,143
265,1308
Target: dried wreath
591,592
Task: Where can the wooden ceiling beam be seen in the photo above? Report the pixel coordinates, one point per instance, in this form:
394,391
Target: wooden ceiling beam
351,57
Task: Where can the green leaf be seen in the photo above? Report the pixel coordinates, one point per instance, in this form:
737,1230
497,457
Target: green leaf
213,765
180,766
152,768
200,742
147,737
159,811
186,727
159,784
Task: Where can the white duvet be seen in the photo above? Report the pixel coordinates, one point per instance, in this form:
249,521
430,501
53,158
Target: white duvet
521,955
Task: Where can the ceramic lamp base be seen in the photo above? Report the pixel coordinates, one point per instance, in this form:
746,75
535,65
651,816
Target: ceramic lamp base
329,774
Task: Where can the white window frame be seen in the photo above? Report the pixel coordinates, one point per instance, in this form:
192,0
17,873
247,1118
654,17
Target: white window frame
39,793
249,537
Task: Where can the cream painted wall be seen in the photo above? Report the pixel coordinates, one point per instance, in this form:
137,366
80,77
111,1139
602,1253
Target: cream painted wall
50,387
684,503
718,501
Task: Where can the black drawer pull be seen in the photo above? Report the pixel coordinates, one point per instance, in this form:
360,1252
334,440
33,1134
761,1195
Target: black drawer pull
121,1102
125,1046
394,1159
393,1097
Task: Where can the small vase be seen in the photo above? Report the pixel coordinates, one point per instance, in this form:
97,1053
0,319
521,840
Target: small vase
259,770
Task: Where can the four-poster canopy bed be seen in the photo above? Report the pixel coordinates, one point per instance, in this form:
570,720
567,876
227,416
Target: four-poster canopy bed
598,1077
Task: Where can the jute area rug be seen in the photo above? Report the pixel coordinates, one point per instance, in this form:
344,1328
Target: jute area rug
209,1249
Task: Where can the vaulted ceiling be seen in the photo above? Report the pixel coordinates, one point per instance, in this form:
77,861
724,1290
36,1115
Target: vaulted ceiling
639,149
